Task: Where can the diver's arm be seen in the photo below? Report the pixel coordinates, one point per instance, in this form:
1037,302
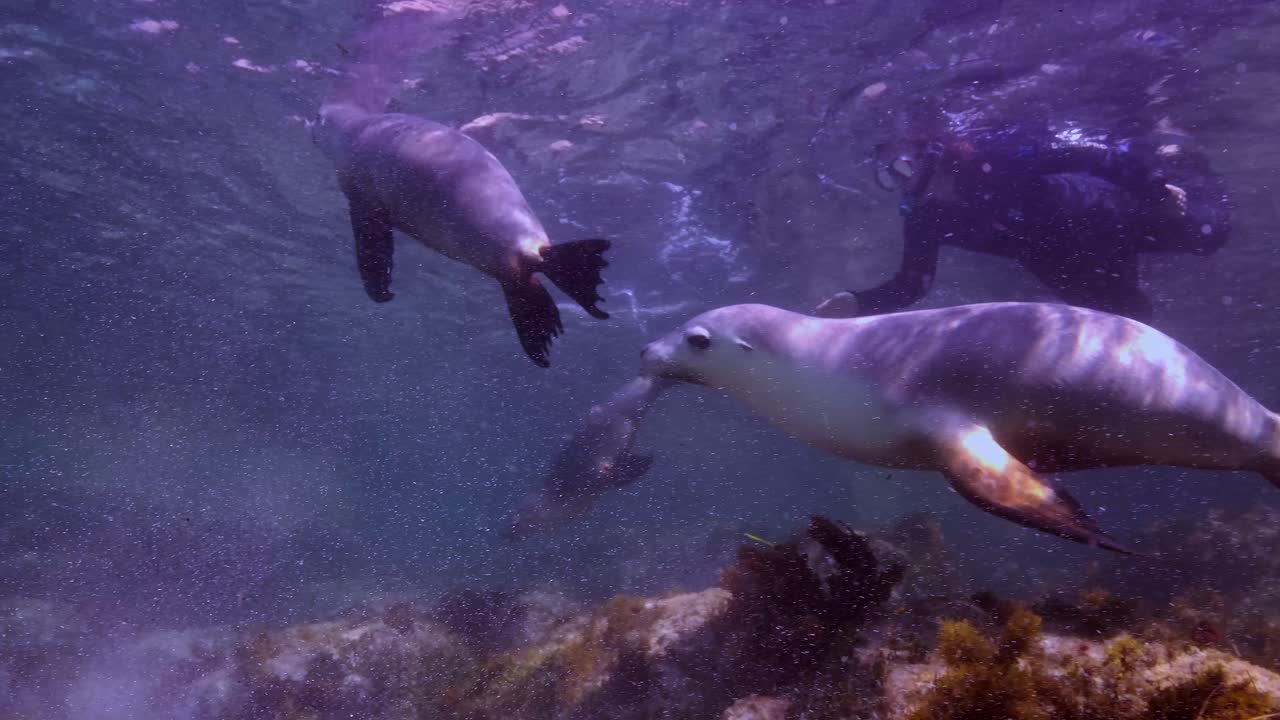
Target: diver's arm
915,275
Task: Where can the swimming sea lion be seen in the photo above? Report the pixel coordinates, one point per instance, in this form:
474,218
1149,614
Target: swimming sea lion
990,395
433,182
597,458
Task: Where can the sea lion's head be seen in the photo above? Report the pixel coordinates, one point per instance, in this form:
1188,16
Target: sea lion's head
712,347
332,126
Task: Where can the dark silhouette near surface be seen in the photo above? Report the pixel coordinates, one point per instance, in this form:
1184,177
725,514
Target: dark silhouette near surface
1075,213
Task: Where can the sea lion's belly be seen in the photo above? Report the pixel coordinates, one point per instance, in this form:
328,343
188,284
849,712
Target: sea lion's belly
842,414
424,207
448,195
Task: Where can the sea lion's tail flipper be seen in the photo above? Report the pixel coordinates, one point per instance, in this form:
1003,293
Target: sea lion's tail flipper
1271,471
1269,468
575,268
986,475
536,317
630,467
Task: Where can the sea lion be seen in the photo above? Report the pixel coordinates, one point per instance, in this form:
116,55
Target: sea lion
597,458
442,187
990,395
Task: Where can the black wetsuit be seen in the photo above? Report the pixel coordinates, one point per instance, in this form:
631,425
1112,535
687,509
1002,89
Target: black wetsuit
1075,216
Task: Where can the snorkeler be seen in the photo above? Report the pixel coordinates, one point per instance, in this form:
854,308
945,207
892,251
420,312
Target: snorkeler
1075,215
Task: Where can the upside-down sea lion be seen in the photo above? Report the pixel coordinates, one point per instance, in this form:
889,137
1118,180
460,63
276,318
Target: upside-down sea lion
598,458
433,182
990,395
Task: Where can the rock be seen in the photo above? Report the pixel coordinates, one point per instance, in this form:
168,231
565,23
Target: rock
496,619
622,657
364,667
777,619
1029,675
1221,589
175,673
794,629
874,90
544,612
649,155
757,707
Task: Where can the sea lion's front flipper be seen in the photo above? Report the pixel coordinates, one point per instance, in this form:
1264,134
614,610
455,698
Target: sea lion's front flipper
985,474
371,226
536,317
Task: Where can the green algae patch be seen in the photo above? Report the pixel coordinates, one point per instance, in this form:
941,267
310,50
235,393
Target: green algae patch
987,680
1023,675
584,661
960,644
516,684
1211,695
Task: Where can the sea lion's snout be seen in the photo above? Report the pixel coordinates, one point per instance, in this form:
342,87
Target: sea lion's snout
649,356
668,358
657,359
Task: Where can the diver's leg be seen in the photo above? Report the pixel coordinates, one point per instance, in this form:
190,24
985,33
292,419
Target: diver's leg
1109,284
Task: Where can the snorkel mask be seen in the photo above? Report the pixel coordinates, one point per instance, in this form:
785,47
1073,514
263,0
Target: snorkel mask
896,173
905,169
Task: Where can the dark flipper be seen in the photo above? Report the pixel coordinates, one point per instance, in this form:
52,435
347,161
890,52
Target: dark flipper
575,268
1271,471
536,317
1269,464
629,468
989,477
374,247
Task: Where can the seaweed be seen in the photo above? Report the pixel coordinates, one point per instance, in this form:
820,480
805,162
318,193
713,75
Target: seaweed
516,684
784,617
400,617
1009,679
994,680
600,665
486,619
797,608
960,643
1209,696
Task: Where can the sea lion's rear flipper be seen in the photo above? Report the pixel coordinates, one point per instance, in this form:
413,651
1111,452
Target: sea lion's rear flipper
536,317
985,474
575,268
374,247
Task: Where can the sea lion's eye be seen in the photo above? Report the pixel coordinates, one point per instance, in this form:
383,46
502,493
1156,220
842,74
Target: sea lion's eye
698,338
